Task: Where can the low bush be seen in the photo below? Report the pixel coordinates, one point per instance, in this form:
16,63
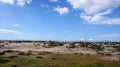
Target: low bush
21,53
12,57
39,57
14,66
2,53
54,58
43,53
8,51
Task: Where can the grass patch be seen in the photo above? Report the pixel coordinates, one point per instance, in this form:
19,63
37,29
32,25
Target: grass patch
57,60
3,60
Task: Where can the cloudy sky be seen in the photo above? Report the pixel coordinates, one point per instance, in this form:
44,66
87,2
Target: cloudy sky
60,19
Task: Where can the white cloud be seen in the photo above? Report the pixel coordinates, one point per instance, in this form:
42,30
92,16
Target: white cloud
94,6
7,1
95,11
62,10
23,2
100,19
2,31
109,36
66,31
90,39
82,39
45,6
53,0
19,2
16,25
9,34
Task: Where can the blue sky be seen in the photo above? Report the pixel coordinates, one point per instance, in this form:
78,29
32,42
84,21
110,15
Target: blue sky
60,19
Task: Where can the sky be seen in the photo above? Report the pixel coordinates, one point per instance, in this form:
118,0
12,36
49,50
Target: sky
91,20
